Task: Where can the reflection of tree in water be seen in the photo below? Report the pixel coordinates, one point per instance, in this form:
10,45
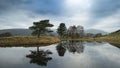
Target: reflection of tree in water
71,46
60,49
75,46
40,57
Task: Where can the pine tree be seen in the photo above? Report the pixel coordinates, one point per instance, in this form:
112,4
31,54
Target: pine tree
62,30
40,27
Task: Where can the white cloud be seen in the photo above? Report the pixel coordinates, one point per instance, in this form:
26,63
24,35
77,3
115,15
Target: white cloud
24,19
85,4
74,12
77,12
109,24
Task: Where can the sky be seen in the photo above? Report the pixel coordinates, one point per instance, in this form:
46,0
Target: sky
92,14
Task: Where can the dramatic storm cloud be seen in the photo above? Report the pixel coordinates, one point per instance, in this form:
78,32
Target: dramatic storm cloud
97,14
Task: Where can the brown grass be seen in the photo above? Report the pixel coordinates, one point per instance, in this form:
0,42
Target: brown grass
80,39
47,40
27,40
114,40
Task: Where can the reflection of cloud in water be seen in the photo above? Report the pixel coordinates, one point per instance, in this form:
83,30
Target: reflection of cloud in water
94,43
104,56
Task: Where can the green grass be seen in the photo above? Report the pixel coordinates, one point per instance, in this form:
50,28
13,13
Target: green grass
27,40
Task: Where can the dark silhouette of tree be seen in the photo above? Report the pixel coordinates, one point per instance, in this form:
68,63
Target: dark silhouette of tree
40,27
7,34
98,35
62,30
60,49
40,57
90,35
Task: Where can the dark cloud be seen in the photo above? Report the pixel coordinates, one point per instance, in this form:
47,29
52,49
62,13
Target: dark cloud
104,8
36,6
12,5
46,6
6,4
21,13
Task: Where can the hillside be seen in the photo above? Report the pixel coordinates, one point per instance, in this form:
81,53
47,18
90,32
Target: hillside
24,32
17,32
116,33
112,38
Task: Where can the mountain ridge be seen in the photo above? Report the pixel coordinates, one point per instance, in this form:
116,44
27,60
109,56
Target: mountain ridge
25,32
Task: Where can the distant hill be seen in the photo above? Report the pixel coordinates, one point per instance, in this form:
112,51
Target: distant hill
54,33
95,31
17,32
24,32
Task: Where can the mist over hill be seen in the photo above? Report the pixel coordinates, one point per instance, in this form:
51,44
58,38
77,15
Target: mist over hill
95,31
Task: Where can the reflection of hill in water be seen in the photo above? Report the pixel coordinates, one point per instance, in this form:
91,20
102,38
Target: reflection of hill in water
40,57
95,43
117,45
71,46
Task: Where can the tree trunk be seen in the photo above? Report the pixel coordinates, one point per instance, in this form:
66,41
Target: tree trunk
38,34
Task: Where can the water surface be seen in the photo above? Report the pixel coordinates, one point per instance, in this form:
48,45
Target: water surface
67,54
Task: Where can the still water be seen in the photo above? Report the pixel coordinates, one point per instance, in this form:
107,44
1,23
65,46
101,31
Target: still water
67,54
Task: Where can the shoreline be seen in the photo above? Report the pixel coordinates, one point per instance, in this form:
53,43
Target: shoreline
27,41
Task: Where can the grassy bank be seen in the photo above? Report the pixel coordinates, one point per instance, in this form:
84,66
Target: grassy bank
47,40
114,40
27,40
80,39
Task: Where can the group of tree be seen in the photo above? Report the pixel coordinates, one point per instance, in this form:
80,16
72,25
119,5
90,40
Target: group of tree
72,31
75,31
42,27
